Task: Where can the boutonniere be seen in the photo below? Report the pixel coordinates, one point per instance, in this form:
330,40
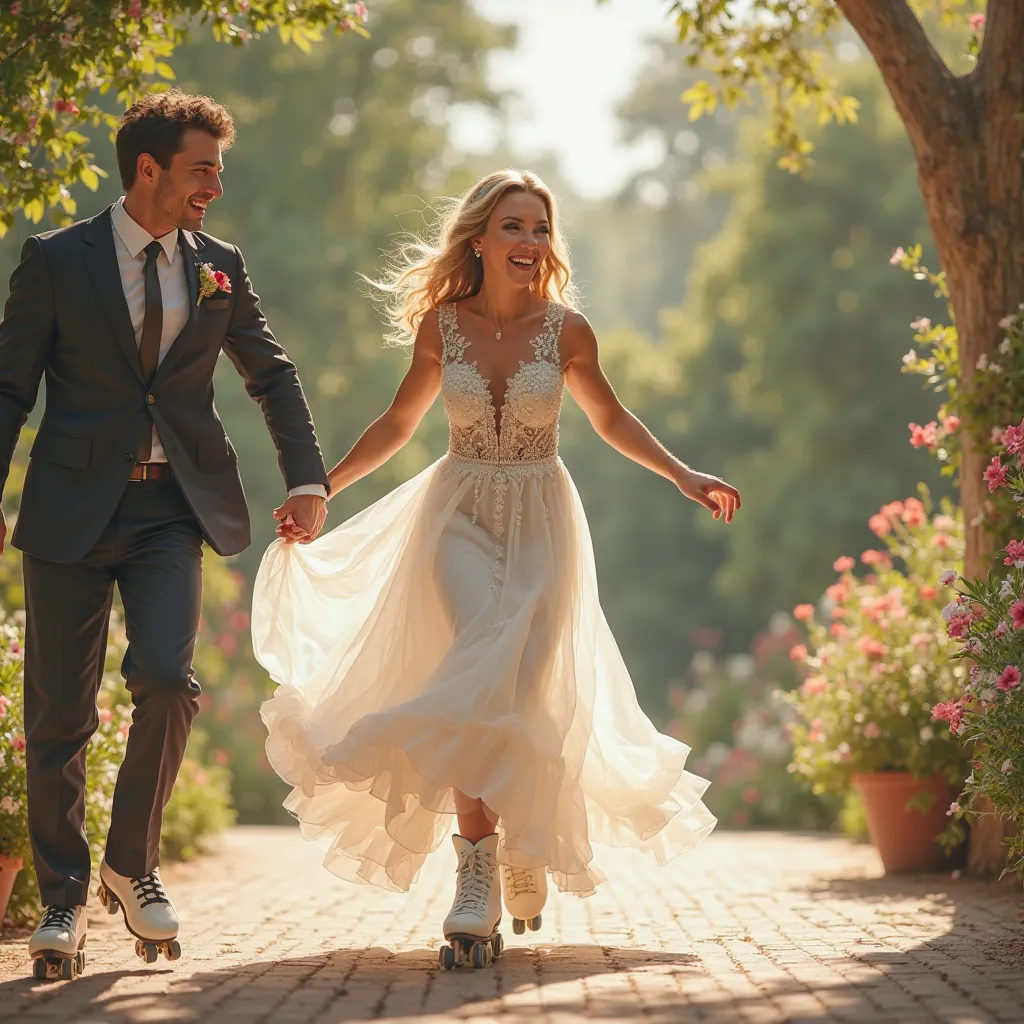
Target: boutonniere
212,281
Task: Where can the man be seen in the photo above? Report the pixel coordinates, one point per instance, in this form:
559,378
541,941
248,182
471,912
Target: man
125,315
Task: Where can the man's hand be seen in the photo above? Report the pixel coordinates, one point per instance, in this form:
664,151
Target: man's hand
301,518
721,498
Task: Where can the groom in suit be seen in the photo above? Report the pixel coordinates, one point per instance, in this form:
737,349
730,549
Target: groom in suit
126,315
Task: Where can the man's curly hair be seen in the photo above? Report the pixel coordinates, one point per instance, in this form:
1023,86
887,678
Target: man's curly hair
156,124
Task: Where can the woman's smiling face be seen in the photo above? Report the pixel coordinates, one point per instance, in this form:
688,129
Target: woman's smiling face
517,239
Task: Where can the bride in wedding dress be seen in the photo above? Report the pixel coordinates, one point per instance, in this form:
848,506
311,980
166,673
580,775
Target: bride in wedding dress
444,652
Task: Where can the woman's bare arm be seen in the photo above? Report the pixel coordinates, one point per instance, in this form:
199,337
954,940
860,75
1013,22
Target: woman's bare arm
616,425
398,423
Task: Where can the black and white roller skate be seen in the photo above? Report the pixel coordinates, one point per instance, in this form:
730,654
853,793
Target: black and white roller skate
57,944
148,912
524,891
471,927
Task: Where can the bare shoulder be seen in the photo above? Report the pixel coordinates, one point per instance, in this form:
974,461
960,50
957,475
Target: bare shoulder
578,338
428,337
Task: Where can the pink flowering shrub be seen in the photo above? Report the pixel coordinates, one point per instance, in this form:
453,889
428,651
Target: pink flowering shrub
988,712
877,657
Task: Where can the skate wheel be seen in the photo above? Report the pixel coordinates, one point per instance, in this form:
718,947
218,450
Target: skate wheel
80,961
109,900
39,968
518,926
68,970
172,950
446,958
481,954
497,945
534,923
146,951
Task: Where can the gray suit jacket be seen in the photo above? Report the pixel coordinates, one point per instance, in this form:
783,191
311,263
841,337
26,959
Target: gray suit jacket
67,318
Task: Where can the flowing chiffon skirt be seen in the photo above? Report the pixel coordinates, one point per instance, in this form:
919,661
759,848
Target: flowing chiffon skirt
451,636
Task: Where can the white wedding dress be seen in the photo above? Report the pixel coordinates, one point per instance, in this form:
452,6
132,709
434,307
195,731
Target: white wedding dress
451,635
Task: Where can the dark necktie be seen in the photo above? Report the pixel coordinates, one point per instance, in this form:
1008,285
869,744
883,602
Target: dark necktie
152,328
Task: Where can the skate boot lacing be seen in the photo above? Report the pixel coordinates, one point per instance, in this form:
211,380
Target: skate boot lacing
149,889
476,876
58,917
520,881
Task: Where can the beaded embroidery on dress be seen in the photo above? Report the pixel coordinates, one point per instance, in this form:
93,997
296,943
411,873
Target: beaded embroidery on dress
451,636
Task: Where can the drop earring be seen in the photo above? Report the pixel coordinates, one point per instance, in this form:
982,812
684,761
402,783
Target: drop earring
477,253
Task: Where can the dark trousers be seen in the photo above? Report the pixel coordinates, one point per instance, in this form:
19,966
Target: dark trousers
152,550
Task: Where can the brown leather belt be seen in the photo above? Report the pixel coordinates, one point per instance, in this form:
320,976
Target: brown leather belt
151,471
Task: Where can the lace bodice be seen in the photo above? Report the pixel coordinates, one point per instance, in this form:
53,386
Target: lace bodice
526,431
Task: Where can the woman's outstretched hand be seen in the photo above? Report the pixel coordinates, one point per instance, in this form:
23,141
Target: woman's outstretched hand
721,498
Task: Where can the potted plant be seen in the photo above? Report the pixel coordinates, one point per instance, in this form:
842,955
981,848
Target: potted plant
874,674
986,621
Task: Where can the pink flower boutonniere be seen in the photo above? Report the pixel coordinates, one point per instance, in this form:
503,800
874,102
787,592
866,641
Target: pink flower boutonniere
212,281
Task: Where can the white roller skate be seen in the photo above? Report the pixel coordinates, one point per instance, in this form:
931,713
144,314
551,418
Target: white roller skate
471,927
148,912
525,891
57,945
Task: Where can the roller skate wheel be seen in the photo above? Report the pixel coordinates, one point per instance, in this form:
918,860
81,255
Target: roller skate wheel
481,954
68,970
534,923
518,926
109,900
497,945
146,951
446,958
80,961
39,968
172,950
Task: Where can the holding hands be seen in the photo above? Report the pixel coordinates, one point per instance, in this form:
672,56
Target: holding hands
301,518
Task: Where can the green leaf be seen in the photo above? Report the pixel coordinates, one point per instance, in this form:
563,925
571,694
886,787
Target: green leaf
165,70
89,178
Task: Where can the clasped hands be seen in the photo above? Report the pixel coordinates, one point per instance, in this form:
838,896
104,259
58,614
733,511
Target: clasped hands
301,518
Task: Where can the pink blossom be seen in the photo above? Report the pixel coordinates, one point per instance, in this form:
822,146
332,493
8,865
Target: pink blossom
921,640
839,612
873,557
951,711
923,437
838,630
17,742
977,22
239,620
814,685
1014,554
871,648
361,10
803,612
995,476
973,646
913,513
1002,628
894,509
951,424
123,731
105,715
817,731
16,8
872,731
135,9
1013,438
943,522
1017,614
879,525
941,541
843,564
1009,679
62,106
958,625
921,324
948,577
223,281
898,256
838,592
927,593
798,652
953,808
1006,323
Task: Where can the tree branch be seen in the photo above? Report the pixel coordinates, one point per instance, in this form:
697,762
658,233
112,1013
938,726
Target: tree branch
1001,61
926,93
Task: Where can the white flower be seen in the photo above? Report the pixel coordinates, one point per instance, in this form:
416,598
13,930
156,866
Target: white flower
1006,767
1005,346
949,611
926,734
910,358
1006,323
982,362
9,805
948,577
1006,590
996,367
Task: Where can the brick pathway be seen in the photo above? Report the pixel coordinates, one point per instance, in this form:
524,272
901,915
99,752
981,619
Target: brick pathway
753,927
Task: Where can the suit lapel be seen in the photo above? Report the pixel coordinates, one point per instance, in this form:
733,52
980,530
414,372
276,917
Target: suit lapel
101,262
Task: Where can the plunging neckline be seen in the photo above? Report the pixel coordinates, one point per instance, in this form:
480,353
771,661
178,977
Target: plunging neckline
497,413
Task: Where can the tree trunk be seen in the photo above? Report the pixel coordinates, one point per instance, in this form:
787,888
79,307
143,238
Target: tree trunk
968,139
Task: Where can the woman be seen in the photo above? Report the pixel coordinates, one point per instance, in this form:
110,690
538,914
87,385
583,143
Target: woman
444,651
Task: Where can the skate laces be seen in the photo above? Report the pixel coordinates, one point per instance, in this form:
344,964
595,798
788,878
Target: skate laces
149,889
520,881
58,917
476,876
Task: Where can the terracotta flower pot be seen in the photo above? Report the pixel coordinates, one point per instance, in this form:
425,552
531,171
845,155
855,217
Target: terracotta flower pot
905,839
9,868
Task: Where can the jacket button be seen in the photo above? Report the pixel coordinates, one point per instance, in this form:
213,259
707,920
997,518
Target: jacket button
128,457
151,399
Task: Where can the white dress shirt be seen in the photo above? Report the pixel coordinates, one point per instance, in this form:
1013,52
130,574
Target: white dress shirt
130,241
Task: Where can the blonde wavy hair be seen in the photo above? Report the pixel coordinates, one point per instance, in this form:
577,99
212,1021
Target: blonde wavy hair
425,274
